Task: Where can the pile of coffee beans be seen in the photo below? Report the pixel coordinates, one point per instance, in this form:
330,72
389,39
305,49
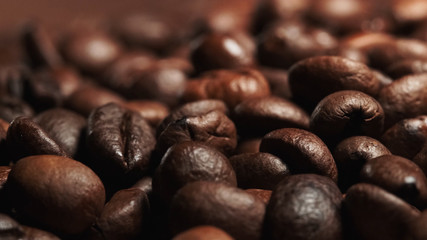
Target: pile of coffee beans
274,119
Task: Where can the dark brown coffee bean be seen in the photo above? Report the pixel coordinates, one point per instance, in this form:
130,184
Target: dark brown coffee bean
223,51
91,51
209,203
189,162
377,214
353,54
88,97
25,138
153,112
250,145
407,137
301,151
203,233
347,113
12,107
404,98
287,42
399,176
125,216
121,142
64,127
314,78
39,47
57,193
258,116
230,86
351,154
258,170
406,67
34,233
305,206
278,81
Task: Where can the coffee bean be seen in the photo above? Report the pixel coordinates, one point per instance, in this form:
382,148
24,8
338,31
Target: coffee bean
258,170
209,203
203,233
312,199
377,214
314,78
187,162
347,113
75,195
406,67
12,107
65,80
153,112
351,154
13,79
301,151
406,12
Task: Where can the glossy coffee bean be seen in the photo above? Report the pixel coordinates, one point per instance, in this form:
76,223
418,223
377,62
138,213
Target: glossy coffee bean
75,195
121,142
258,116
312,199
65,127
125,216
407,137
12,107
278,81
90,51
203,233
153,112
230,86
375,213
258,170
351,154
314,78
301,151
404,98
25,138
250,145
187,162
406,67
347,113
223,51
286,42
262,194
208,203
399,176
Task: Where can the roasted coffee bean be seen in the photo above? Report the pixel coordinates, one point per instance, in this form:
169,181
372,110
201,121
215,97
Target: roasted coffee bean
153,112
187,162
287,42
314,78
347,113
43,92
407,67
230,86
366,41
250,145
209,203
278,81
258,170
25,138
262,194
377,214
56,193
258,116
407,137
39,47
404,98
125,216
399,176
65,80
203,233
199,122
120,141
351,154
353,54
301,151
223,51
12,107
312,199
88,97
65,127
90,51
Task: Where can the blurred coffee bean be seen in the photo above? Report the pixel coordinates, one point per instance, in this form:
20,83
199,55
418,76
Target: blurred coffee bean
250,145
65,78
262,194
43,91
301,151
258,170
409,11
377,214
353,54
347,113
382,78
13,79
187,162
203,233
209,203
314,78
406,67
351,154
399,176
312,199
258,116
75,195
278,81
153,112
12,107
404,98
